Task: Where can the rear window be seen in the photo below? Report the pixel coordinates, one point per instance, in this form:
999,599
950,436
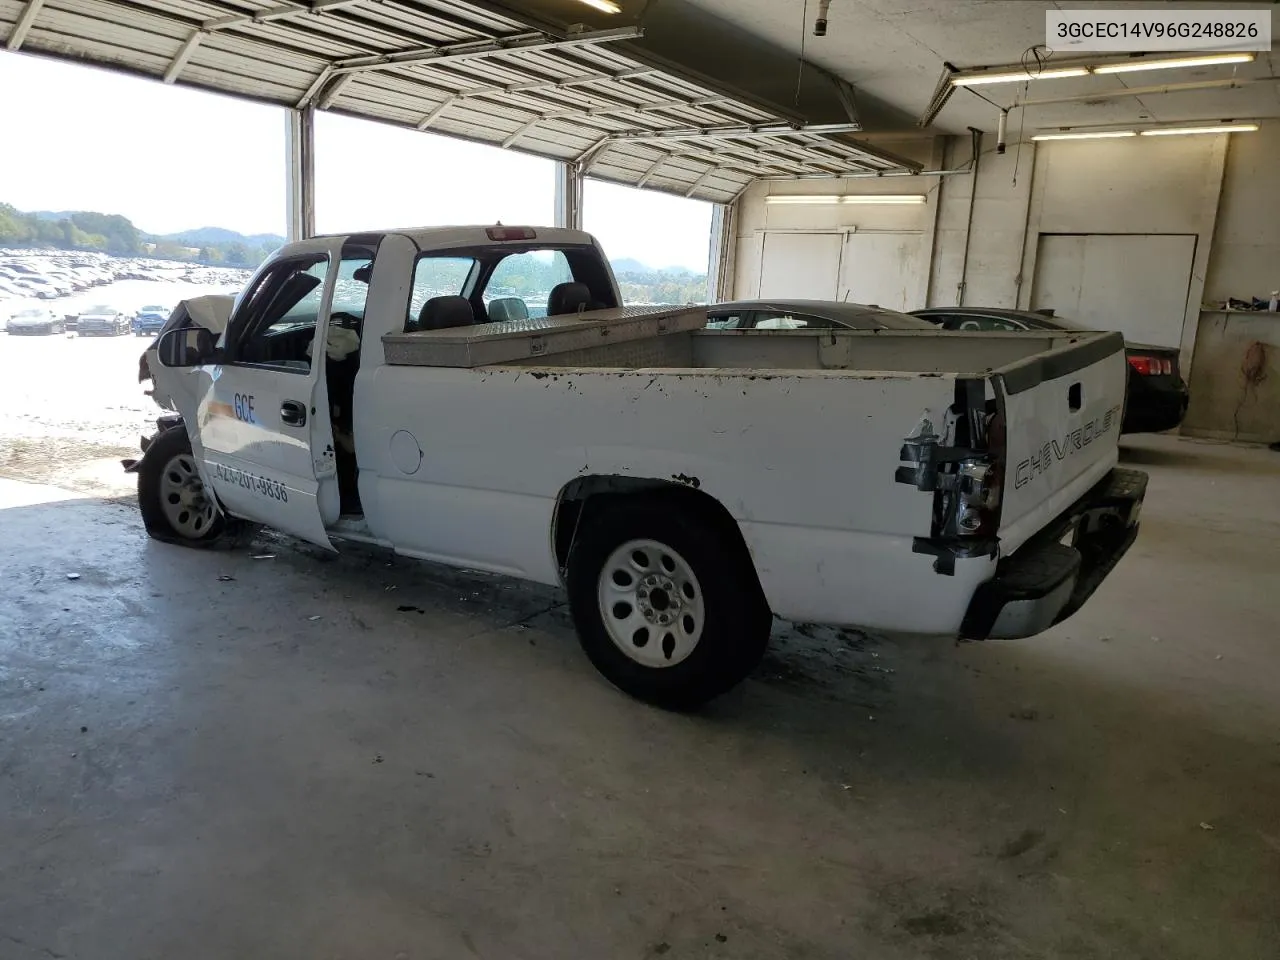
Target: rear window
438,277
529,277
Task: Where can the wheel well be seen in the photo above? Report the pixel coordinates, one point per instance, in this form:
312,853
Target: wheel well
585,494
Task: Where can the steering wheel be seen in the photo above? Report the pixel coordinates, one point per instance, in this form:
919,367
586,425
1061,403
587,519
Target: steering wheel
347,320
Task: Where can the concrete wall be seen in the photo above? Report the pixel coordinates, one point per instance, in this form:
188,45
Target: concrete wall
1244,262
1224,191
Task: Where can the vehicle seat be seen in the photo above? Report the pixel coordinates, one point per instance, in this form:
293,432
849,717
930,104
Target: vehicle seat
441,313
568,298
508,308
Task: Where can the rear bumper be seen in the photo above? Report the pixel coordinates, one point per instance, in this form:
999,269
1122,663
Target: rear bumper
1154,404
1049,578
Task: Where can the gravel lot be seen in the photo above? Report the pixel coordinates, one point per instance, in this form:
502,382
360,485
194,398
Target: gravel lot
70,408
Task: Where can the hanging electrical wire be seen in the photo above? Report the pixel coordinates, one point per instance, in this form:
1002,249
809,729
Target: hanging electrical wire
804,24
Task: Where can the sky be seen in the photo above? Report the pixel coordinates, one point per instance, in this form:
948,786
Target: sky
172,158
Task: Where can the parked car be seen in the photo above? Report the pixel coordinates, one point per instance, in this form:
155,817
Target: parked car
685,484
35,321
807,315
1157,395
102,321
149,320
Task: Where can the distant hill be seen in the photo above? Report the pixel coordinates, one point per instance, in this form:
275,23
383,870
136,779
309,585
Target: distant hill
204,236
629,265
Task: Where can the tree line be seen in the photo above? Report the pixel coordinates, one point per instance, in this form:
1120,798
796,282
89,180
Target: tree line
116,235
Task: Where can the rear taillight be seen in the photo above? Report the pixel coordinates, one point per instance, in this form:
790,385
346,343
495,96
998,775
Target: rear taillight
1151,366
980,486
978,490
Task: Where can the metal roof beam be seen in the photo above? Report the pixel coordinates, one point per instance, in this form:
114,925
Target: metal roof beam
693,187
531,86
473,49
183,55
276,13
736,132
652,169
23,26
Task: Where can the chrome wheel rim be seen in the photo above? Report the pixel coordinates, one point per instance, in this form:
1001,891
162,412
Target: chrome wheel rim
651,603
182,498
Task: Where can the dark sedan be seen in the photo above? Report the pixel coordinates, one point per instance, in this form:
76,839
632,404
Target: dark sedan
807,315
1157,395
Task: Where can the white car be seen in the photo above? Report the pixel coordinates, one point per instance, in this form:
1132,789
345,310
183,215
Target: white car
682,483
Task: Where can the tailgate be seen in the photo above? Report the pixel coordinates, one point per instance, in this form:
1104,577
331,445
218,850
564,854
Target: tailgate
1062,412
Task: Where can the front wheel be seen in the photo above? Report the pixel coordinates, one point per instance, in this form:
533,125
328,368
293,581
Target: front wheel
666,603
175,506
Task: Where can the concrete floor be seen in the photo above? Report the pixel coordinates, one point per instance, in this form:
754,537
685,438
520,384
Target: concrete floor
291,764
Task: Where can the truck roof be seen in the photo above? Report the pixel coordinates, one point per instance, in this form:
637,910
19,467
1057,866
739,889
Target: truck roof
477,235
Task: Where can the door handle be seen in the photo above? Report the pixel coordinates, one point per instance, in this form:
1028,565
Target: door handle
293,413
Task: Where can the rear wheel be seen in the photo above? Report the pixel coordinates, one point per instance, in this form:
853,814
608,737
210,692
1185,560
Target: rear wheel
665,602
175,506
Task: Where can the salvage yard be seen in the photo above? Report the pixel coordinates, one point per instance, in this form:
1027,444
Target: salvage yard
195,732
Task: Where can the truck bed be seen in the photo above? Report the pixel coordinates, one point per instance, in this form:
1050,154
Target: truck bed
675,339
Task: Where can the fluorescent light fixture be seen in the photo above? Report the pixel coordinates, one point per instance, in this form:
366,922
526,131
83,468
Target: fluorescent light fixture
800,198
883,198
1086,135
814,198
605,6
1220,128
1208,60
1016,76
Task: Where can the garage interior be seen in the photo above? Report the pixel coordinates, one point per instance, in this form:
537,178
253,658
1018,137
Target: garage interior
207,754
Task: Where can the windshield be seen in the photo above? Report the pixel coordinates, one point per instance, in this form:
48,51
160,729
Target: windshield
28,313
152,309
100,310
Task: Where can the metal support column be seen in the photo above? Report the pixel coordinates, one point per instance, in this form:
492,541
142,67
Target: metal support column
720,252
300,157
568,212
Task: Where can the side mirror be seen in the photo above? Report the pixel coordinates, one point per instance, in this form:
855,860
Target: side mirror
187,347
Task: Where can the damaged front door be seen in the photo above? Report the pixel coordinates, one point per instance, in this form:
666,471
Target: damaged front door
264,421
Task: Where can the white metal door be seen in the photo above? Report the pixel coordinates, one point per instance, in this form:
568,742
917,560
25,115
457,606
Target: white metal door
267,444
1134,283
800,265
885,269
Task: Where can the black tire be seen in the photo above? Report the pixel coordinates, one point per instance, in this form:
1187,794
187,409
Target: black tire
160,454
736,618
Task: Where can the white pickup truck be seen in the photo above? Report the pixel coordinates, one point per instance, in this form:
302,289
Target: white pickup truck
682,483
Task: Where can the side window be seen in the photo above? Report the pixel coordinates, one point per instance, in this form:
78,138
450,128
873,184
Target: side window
437,277
528,277
351,289
983,323
276,319
725,321
766,320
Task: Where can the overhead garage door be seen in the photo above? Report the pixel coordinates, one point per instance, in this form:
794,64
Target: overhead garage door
800,265
879,268
1134,283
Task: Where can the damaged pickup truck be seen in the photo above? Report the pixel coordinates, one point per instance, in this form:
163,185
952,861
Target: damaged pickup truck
683,484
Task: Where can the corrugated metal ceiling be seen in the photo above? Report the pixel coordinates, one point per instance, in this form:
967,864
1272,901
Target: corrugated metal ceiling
455,68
